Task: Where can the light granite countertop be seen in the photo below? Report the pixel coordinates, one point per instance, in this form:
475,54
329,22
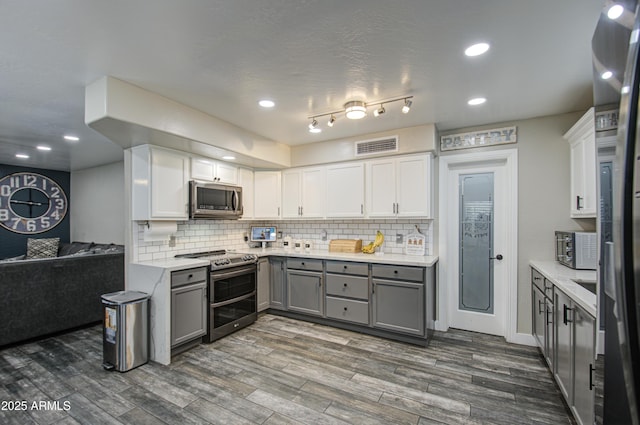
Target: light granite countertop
323,254
563,277
173,264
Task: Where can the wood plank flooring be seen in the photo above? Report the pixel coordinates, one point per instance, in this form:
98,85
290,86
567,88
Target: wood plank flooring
283,371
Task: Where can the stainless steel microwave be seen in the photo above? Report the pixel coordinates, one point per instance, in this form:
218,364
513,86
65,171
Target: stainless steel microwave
578,250
214,201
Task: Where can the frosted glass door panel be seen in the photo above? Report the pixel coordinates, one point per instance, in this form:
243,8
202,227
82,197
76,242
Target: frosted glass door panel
476,243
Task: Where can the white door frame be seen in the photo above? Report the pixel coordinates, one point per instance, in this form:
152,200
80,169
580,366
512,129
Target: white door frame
448,248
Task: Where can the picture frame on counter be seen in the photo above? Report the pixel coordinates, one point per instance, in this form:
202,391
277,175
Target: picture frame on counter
475,139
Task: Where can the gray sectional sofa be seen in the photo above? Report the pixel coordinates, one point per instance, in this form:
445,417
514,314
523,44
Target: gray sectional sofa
44,296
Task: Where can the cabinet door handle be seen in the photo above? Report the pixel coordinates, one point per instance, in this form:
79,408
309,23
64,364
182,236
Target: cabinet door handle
373,288
565,317
361,209
397,208
345,285
578,203
591,370
345,309
540,305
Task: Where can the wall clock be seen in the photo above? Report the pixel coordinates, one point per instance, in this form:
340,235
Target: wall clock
31,203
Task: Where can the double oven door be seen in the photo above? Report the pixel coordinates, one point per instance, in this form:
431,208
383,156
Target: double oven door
232,300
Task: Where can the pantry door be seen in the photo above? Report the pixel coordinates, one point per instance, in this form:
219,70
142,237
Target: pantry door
479,241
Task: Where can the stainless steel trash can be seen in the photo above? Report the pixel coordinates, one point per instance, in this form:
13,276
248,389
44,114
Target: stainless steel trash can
125,334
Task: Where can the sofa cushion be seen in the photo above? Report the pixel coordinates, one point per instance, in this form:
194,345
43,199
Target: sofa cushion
10,259
42,248
74,248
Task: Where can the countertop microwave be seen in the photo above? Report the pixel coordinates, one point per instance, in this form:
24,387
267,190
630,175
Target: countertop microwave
214,201
578,250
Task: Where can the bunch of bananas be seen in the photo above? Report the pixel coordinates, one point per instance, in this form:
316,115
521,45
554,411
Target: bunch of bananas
371,247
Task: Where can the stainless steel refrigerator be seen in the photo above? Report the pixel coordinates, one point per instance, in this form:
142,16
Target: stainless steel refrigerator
622,286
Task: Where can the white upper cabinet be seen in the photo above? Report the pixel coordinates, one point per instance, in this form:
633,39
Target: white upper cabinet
582,145
303,193
245,180
213,171
345,190
160,188
267,189
399,187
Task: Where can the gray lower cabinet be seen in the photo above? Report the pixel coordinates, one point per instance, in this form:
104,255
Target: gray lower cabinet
575,356
188,305
264,283
564,343
347,289
542,316
584,354
304,291
277,288
398,297
539,317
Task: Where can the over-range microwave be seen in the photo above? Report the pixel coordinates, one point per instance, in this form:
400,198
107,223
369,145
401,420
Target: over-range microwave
578,250
214,201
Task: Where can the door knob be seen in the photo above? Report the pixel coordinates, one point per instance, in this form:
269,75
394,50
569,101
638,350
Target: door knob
497,257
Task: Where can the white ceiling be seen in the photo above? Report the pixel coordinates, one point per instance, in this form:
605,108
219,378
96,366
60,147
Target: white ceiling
309,56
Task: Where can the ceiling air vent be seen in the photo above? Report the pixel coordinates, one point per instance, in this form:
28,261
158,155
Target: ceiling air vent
370,147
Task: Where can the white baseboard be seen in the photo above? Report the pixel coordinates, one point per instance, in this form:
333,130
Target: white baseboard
522,339
440,326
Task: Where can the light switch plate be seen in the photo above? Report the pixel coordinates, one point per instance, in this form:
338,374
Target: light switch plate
399,238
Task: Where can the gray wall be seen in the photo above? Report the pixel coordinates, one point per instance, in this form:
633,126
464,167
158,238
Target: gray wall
98,212
543,195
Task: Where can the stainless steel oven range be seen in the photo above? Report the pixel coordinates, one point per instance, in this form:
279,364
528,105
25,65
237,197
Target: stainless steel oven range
232,291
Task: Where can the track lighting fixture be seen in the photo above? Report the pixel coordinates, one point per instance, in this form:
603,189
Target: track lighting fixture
357,109
407,106
379,111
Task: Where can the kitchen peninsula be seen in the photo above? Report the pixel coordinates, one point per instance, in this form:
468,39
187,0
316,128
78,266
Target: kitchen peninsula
349,290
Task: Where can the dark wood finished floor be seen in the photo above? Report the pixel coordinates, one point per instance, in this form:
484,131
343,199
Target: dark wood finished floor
282,371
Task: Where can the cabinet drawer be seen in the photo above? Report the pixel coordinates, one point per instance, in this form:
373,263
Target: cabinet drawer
537,279
184,277
361,269
349,310
304,264
348,286
415,274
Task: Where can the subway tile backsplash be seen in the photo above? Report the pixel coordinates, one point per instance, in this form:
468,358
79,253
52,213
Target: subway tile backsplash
206,235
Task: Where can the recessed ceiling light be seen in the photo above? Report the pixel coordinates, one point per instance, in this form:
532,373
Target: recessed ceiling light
266,103
229,157
477,49
606,75
615,11
43,148
71,138
476,101
22,156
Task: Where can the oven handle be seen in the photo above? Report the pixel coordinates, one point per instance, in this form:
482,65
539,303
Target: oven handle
233,300
216,275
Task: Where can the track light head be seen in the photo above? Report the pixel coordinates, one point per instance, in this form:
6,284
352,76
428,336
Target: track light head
332,120
379,111
407,106
313,127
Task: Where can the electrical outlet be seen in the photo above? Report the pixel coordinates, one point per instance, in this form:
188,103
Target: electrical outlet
323,235
399,238
172,241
